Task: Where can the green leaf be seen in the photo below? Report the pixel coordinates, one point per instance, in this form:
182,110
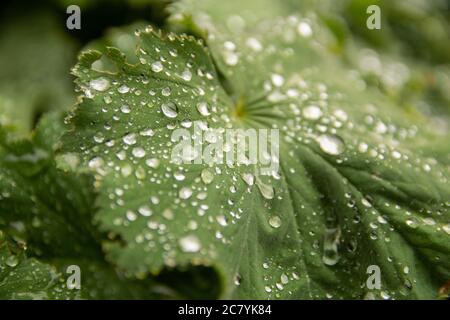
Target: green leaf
35,55
48,214
357,183
23,278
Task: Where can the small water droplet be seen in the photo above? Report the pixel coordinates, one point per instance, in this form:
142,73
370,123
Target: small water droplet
166,91
412,223
179,176
237,280
284,279
157,66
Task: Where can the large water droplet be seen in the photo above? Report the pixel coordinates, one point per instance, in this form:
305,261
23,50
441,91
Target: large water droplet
123,89
12,261
157,66
304,29
185,193
275,222
129,139
125,109
152,163
190,243
169,109
248,178
266,190
186,75
312,112
202,107
331,144
100,84
446,228
138,152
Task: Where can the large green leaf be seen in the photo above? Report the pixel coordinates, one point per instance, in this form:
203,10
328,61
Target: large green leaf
22,278
35,56
359,183
47,214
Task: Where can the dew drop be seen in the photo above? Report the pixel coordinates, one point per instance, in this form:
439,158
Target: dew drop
304,29
277,80
100,84
179,176
152,163
412,223
203,109
248,178
131,216
186,75
123,89
284,278
145,211
207,176
331,144
147,133
275,222
190,243
12,261
169,109
157,66
125,109
266,191
237,280
185,193
138,152
166,91
129,139
168,214
222,220
312,112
